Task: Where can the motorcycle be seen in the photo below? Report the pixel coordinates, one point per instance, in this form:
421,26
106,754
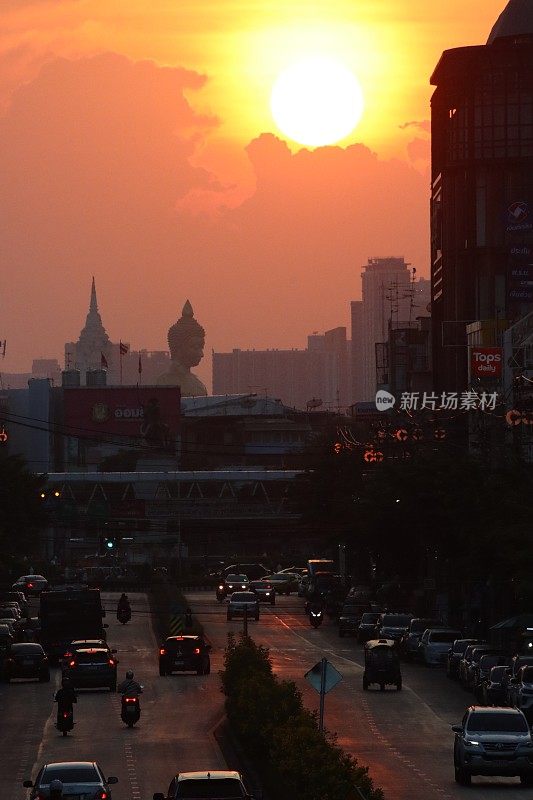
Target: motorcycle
65,720
315,618
124,615
131,710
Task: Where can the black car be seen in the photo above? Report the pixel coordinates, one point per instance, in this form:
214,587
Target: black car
27,660
231,583
494,687
455,654
80,779
264,590
392,626
367,626
350,618
212,785
185,654
91,667
17,597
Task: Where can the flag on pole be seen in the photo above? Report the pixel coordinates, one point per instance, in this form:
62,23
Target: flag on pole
140,364
123,349
103,361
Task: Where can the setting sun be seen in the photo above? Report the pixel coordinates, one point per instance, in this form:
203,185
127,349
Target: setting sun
316,101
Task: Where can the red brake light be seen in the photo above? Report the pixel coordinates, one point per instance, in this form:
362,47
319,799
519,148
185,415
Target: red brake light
65,714
111,662
130,699
29,585
196,651
103,796
72,663
162,651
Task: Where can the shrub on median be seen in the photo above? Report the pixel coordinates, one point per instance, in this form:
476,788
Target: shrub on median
281,736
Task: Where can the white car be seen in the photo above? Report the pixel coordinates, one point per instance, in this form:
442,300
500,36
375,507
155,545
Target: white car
240,602
435,643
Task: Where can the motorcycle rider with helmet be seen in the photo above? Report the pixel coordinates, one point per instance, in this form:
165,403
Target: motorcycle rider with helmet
123,604
65,698
129,686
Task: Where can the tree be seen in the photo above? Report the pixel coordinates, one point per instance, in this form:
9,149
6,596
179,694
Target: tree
22,509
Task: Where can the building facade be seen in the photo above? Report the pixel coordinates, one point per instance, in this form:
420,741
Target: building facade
318,377
390,296
482,190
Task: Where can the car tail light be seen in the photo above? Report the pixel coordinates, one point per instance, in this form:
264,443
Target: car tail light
65,714
29,585
196,651
162,651
130,699
72,663
111,662
103,795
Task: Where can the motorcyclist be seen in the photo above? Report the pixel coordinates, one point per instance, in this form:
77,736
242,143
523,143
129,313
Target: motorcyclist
129,686
315,602
56,790
123,603
65,697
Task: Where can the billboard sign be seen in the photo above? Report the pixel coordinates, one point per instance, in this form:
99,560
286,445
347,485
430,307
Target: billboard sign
486,362
148,415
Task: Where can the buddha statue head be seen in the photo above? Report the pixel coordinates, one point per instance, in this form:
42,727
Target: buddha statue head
186,339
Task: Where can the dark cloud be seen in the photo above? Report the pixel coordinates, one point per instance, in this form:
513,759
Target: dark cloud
422,125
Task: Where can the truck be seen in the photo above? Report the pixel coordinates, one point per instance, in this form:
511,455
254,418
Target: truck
69,613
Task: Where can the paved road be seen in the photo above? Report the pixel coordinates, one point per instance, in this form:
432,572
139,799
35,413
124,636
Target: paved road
404,737
178,713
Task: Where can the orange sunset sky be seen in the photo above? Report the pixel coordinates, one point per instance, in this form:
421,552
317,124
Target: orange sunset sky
137,145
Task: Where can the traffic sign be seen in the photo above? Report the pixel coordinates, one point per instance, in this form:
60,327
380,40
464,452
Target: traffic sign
314,676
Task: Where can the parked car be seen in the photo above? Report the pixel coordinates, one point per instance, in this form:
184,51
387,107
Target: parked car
492,741
264,590
211,785
79,778
517,663
482,670
392,626
455,654
27,660
91,667
30,584
240,602
467,656
522,691
367,626
185,653
284,582
475,658
494,687
434,645
6,640
408,644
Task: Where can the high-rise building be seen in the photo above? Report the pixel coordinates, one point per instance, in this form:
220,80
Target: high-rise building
390,295
317,377
482,190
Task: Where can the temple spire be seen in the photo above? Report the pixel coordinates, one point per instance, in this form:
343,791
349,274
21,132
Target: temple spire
94,304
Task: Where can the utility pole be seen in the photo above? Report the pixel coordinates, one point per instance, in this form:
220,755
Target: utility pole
245,623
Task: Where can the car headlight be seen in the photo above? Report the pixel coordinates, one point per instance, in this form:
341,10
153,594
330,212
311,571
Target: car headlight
471,743
220,587
267,594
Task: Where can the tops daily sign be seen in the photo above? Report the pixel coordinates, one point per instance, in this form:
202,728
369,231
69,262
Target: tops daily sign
486,362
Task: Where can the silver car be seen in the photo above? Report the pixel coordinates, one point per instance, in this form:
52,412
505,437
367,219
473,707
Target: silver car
435,643
241,602
493,741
